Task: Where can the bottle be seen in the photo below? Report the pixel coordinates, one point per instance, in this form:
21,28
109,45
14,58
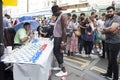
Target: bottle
35,34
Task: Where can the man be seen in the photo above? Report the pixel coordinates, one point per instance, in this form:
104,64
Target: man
22,35
112,33
59,34
7,21
82,28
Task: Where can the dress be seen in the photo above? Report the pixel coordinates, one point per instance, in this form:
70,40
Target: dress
72,42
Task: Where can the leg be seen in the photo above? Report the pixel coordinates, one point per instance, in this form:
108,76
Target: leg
2,74
57,53
103,45
114,50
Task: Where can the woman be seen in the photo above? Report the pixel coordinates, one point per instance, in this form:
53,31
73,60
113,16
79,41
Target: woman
72,42
43,29
89,36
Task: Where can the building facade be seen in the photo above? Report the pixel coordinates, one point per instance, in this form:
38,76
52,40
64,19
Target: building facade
29,6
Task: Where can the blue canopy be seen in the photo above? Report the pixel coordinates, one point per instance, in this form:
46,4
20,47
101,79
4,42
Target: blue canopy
21,19
33,24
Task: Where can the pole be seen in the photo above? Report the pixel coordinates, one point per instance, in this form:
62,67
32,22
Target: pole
1,30
1,44
113,3
27,5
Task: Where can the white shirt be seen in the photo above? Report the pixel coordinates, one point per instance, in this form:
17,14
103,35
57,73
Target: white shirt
6,22
100,24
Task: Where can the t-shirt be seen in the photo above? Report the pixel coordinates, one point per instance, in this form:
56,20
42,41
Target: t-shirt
100,24
83,23
6,22
110,37
21,33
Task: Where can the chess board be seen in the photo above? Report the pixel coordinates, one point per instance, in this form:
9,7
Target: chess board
31,52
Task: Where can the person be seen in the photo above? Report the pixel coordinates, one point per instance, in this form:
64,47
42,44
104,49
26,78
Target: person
82,28
112,33
59,34
72,41
43,29
6,21
101,42
93,45
23,35
89,36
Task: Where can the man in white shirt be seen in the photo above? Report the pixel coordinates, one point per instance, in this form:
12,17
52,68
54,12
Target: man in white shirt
7,21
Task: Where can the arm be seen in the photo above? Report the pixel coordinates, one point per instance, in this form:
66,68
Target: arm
112,29
63,25
92,27
81,26
24,36
24,39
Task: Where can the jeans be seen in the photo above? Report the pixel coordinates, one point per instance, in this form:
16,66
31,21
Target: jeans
56,50
113,68
88,47
103,44
81,43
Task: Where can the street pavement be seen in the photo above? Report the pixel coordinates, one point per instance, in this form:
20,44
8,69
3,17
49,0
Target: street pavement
80,68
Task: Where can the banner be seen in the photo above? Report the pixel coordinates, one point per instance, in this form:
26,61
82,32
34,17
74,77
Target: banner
9,2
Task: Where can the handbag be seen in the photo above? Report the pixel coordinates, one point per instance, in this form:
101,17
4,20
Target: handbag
101,36
77,32
69,32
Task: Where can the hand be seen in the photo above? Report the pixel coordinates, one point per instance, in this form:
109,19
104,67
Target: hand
51,37
104,31
89,33
116,31
30,36
62,46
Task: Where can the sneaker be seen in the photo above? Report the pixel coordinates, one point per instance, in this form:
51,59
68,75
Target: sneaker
98,50
77,54
105,75
56,68
61,73
83,55
93,51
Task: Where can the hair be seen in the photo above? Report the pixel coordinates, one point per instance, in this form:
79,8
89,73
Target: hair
55,8
6,15
96,16
68,14
26,23
118,13
92,13
91,18
74,15
103,14
82,14
110,7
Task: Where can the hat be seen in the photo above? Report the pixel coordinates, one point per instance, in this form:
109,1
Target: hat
55,8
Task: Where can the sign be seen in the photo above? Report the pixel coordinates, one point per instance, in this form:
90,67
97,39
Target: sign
9,2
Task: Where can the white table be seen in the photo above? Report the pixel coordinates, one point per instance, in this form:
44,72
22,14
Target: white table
34,71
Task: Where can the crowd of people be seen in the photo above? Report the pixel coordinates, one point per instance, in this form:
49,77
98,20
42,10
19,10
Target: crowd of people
100,33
